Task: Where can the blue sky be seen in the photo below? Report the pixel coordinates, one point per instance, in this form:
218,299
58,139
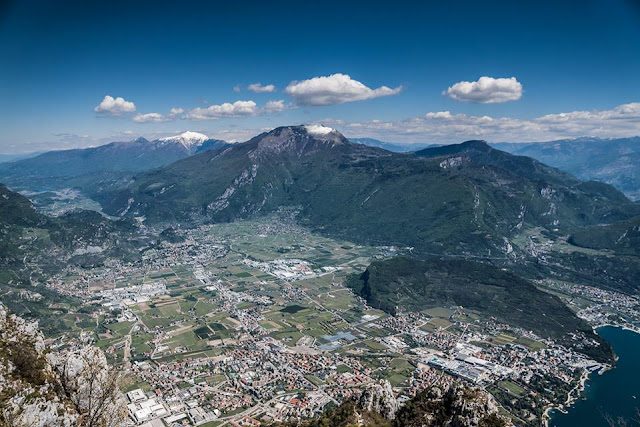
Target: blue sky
386,70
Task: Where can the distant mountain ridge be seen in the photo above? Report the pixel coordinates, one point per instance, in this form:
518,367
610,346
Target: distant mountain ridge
396,147
14,157
456,198
463,200
615,161
116,157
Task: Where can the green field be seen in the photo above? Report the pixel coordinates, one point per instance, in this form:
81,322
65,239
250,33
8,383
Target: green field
512,388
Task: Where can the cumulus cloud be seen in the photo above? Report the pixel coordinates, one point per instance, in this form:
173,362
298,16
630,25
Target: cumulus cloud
237,88
486,90
115,106
213,112
258,88
334,89
446,127
150,117
274,106
157,117
439,115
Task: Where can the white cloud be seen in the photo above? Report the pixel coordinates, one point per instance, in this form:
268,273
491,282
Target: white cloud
334,89
237,88
150,117
157,117
236,109
439,115
115,106
213,112
318,129
445,127
258,88
274,106
486,90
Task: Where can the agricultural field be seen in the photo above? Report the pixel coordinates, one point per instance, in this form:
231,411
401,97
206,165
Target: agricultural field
264,303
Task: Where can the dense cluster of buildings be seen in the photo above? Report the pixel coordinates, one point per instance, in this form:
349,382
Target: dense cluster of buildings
119,298
289,269
258,375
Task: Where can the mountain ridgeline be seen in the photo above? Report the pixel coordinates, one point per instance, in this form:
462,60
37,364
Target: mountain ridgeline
73,167
614,161
622,237
396,147
69,231
464,198
33,245
466,212
409,284
435,406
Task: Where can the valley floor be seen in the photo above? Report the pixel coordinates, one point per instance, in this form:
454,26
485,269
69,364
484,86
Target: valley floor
250,321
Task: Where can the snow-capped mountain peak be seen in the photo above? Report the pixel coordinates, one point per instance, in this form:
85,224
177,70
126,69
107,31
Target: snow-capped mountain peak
188,139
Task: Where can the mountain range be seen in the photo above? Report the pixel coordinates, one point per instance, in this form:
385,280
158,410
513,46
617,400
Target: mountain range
614,161
66,168
19,156
464,198
396,147
464,212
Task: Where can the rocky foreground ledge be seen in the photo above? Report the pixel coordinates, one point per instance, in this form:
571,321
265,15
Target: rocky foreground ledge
454,405
38,387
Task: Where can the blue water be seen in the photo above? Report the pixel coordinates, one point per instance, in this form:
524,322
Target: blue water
612,393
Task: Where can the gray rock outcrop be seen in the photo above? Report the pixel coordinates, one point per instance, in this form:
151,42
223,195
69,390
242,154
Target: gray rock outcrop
51,389
379,398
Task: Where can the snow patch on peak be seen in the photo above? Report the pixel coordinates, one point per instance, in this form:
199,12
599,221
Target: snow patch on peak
318,129
187,138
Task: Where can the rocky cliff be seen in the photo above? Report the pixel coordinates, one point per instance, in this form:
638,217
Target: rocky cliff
455,406
451,406
379,398
39,387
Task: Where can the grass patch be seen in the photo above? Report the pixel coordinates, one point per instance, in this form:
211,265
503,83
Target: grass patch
513,388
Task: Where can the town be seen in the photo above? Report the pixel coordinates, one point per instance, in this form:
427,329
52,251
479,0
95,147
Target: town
249,323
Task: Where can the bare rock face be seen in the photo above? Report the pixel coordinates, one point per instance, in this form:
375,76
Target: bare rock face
91,386
297,141
379,398
469,406
75,388
454,406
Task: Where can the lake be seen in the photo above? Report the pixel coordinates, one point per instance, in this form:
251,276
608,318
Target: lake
614,394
